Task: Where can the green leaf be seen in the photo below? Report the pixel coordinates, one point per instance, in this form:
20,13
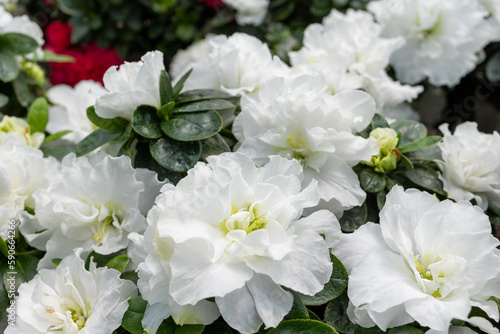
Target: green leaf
75,7
214,145
420,144
426,178
192,126
38,115
25,95
94,140
301,326
409,130
17,43
56,261
492,68
494,207
206,105
405,163
427,154
299,310
49,56
332,289
175,155
133,316
119,263
180,84
9,68
381,197
4,295
201,94
110,124
379,121
405,330
102,260
4,99
25,268
372,181
371,330
56,136
143,159
146,123
131,275
166,90
3,248
354,218
165,111
336,314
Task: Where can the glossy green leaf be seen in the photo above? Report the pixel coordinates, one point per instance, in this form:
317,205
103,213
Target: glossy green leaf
25,268
426,178
409,130
38,115
56,136
354,218
18,43
302,326
94,140
299,310
204,106
335,286
165,111
4,99
420,144
192,126
371,330
214,145
381,197
427,154
405,163
201,94
492,69
175,155
56,261
336,315
52,57
405,330
118,263
9,68
143,159
25,95
166,90
372,181
180,84
131,275
146,123
133,316
110,124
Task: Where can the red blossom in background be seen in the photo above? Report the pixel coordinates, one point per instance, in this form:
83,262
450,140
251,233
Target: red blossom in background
90,60
213,3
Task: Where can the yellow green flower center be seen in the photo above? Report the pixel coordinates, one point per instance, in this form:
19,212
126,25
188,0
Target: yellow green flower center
246,219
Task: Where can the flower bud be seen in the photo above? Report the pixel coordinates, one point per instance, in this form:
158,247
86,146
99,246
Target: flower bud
14,128
33,71
388,157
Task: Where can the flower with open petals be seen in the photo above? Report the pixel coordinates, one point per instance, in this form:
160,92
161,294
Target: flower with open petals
94,204
71,299
249,11
297,118
17,130
234,231
442,37
130,85
427,261
470,168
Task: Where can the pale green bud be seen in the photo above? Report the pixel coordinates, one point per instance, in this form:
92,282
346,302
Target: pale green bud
34,71
17,129
387,160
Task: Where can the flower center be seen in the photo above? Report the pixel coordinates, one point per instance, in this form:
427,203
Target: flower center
101,231
246,219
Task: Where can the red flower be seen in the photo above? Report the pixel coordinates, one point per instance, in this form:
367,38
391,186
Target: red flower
58,35
213,3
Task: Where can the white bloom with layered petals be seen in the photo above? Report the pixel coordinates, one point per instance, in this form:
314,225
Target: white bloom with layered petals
297,118
442,37
183,60
427,261
23,170
471,166
249,11
94,205
349,51
131,85
237,64
70,109
233,231
71,299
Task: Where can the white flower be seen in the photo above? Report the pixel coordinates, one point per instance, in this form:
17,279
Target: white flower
17,130
71,299
427,261
183,60
233,231
297,118
249,11
349,51
94,204
442,37
237,64
131,85
70,109
23,170
20,24
471,166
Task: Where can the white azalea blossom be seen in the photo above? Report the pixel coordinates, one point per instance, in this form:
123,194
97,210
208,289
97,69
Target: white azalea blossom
470,169
94,205
427,261
183,60
71,299
442,37
130,85
297,118
23,170
20,24
17,130
349,51
70,109
237,64
233,231
249,11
